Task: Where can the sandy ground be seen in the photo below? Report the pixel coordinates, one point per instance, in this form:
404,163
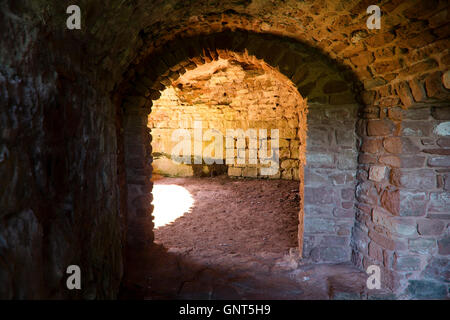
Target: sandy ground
244,217
238,240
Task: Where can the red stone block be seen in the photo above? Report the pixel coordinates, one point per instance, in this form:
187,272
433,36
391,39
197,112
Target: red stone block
379,127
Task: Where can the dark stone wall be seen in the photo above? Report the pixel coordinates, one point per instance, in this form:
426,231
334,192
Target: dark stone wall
59,191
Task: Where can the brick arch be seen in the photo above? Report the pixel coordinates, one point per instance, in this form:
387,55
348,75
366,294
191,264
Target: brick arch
316,77
314,73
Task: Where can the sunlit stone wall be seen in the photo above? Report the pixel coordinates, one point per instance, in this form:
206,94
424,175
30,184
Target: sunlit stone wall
225,95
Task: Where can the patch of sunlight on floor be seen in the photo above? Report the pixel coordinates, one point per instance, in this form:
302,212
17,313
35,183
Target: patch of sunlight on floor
170,202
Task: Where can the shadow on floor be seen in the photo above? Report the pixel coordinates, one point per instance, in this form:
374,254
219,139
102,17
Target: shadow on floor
237,241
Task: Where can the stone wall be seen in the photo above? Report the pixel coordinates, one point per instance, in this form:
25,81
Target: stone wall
62,139
60,197
404,199
330,179
225,96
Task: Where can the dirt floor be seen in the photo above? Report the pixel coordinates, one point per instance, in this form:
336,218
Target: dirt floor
236,240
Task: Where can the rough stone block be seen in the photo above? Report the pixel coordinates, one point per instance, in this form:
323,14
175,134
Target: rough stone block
379,127
423,179
371,145
439,202
416,128
347,160
425,289
313,210
319,225
412,203
320,195
422,245
442,129
430,227
345,137
396,225
334,254
444,246
250,172
440,161
343,213
234,172
398,145
404,92
438,269
366,193
407,263
377,173
375,251
390,200
319,160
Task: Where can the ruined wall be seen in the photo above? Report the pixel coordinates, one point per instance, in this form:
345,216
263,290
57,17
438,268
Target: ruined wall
225,95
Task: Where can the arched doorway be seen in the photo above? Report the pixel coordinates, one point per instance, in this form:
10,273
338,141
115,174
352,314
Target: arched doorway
329,199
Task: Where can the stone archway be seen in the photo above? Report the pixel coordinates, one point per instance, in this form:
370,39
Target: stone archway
64,178
329,89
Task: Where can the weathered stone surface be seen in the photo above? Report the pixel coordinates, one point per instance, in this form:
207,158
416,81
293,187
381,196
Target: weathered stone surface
442,161
371,145
438,269
319,225
444,246
405,94
379,127
377,173
439,202
428,227
434,85
321,195
415,113
412,203
424,289
407,263
412,161
334,254
418,92
419,179
393,224
422,246
365,192
416,128
392,161
390,200
442,129
398,145
441,151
